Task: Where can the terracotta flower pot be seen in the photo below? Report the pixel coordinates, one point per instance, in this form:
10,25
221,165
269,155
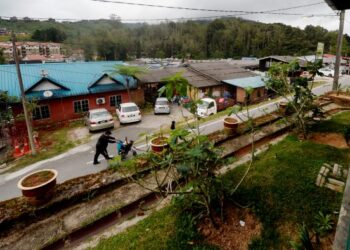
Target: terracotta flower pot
38,187
159,144
282,107
230,125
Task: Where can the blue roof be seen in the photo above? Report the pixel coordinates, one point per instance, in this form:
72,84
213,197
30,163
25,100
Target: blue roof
73,78
253,82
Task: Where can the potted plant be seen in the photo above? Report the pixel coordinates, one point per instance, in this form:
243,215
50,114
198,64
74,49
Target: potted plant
282,107
159,143
38,187
230,125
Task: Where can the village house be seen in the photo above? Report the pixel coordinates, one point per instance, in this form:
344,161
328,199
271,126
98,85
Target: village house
209,78
65,91
266,62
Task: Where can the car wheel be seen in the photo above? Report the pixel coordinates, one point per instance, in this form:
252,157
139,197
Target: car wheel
330,75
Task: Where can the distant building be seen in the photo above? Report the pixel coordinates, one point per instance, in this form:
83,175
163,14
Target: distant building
266,62
3,31
33,52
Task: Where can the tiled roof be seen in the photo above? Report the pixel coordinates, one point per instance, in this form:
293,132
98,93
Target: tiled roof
76,77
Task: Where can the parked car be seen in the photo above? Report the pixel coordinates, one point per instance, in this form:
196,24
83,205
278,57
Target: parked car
162,106
327,72
128,113
97,119
211,106
206,107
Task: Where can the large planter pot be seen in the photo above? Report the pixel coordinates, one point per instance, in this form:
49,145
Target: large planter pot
230,125
38,187
159,144
282,107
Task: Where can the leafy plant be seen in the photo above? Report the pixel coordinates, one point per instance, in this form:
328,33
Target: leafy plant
304,240
323,223
285,81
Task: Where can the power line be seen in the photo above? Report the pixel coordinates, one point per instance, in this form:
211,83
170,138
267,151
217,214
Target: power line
269,12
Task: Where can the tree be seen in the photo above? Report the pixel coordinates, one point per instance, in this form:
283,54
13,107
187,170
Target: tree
127,72
49,35
285,81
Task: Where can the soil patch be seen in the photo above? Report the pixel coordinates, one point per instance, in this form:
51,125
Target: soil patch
37,179
232,234
332,139
160,141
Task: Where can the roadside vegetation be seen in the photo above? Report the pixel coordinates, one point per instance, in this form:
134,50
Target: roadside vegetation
52,143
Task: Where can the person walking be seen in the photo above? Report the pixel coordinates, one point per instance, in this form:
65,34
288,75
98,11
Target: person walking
101,146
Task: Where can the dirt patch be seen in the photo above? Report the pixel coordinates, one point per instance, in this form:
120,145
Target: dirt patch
232,234
37,178
332,139
78,133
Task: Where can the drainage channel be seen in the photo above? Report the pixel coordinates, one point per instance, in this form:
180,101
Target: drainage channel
81,235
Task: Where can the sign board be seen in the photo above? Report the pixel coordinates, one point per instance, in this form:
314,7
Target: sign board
319,51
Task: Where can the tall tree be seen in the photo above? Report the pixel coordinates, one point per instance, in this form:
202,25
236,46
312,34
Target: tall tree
128,72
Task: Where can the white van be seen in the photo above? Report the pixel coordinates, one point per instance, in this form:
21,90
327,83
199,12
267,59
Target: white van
207,107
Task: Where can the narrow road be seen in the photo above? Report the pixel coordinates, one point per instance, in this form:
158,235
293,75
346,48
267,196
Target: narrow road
78,161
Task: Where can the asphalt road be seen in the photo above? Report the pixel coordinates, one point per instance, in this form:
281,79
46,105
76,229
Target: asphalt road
78,161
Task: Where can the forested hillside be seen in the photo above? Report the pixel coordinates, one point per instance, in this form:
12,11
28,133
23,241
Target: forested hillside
222,38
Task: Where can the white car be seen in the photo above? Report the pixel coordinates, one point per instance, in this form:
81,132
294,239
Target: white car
327,72
207,107
97,119
162,106
128,113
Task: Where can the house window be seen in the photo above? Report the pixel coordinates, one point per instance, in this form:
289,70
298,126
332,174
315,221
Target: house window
81,106
115,100
41,112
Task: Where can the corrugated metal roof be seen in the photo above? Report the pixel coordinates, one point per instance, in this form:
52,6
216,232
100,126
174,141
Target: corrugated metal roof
194,79
253,82
76,77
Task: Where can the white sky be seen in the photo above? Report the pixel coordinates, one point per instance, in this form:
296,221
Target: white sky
87,9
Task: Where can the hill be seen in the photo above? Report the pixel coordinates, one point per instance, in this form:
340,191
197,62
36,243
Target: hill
221,38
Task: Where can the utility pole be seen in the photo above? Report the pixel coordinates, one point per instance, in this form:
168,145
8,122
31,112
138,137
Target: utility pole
339,48
23,97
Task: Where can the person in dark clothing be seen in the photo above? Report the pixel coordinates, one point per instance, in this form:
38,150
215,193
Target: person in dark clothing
101,146
172,127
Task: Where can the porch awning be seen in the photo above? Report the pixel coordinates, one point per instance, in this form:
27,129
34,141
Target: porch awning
252,82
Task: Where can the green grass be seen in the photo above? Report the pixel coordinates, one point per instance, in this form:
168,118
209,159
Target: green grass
281,188
151,233
60,144
337,124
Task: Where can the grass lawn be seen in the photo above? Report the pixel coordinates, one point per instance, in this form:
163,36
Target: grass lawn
52,143
337,124
151,233
281,188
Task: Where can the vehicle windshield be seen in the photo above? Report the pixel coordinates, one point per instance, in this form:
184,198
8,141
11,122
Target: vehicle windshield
161,103
203,104
130,109
99,114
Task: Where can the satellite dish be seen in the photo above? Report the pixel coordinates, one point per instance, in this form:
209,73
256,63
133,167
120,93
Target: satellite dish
47,93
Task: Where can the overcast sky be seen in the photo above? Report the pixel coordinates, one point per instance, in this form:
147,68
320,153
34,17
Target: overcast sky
87,9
